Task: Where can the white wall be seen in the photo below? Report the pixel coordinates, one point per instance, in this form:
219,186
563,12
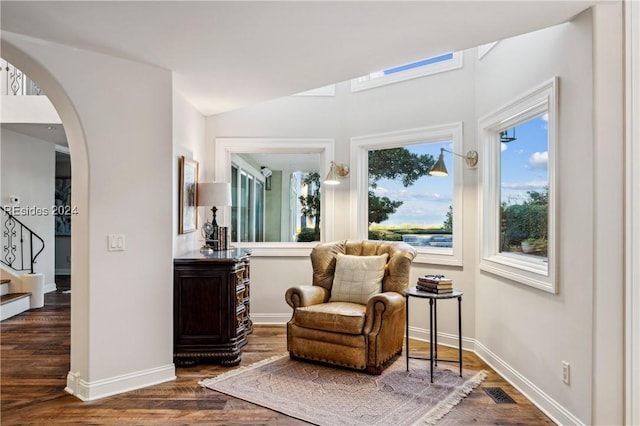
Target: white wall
443,98
526,332
28,171
189,141
632,202
118,119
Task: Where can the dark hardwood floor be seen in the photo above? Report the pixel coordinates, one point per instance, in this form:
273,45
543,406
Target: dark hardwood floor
35,361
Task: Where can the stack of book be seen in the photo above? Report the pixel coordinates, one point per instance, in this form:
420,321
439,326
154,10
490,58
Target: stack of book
435,284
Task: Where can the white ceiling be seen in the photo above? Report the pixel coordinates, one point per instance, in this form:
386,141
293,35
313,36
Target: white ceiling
226,55
53,133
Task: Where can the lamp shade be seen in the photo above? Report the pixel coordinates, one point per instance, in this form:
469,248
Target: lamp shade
439,169
332,176
216,194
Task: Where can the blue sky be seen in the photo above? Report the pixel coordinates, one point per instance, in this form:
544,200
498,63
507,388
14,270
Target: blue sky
523,168
427,201
524,162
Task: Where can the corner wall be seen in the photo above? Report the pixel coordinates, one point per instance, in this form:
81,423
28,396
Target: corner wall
525,333
189,130
118,119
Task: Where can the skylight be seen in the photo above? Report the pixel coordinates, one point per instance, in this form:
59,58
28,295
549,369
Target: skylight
421,63
423,67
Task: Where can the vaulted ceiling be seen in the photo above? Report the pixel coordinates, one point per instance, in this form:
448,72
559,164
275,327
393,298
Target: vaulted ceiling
225,55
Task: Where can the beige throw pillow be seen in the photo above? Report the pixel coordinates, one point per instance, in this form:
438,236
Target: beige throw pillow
357,278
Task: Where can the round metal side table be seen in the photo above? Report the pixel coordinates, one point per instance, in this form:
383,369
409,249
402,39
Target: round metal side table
433,325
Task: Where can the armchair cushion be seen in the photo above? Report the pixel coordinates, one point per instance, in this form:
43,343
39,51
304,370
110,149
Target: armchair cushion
336,317
357,278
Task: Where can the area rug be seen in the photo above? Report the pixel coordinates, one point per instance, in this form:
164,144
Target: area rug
332,396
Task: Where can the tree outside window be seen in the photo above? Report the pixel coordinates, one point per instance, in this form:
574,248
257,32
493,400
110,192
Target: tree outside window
405,203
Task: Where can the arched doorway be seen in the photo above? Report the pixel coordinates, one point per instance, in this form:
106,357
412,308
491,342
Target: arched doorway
79,240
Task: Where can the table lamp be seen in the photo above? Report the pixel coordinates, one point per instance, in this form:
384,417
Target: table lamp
214,194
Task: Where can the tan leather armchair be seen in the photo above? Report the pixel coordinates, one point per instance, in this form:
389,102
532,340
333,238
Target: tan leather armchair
354,335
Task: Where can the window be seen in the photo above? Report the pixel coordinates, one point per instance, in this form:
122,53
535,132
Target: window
247,203
427,212
270,220
519,190
524,188
433,65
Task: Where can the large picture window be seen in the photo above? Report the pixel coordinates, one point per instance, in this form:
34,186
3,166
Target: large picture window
269,179
518,185
395,199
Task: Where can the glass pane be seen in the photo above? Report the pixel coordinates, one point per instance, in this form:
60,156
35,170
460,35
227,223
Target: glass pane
405,203
524,188
244,207
421,63
310,209
250,209
266,205
234,207
259,211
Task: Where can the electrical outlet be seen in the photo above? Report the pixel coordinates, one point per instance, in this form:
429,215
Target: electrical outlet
565,372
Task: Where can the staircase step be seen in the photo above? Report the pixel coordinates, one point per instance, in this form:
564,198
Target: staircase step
12,296
13,304
4,281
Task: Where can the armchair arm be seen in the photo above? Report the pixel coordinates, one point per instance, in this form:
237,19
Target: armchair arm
382,305
384,328
305,295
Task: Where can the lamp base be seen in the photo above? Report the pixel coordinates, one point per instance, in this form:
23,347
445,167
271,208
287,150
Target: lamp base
206,249
216,237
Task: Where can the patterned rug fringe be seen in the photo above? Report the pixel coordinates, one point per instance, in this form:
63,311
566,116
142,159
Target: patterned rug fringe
435,414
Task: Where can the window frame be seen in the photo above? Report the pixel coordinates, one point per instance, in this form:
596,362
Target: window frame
530,271
226,146
360,146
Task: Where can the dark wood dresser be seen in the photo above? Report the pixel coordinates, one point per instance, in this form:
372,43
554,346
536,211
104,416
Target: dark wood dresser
211,306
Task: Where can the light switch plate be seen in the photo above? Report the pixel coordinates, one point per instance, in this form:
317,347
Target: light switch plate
116,242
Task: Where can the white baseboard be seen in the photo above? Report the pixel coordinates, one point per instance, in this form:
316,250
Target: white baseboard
270,319
90,391
48,288
444,339
544,402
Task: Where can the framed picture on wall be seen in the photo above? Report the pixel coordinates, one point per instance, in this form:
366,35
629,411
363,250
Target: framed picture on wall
62,209
188,194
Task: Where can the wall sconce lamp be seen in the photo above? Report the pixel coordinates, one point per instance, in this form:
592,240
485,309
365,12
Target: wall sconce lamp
336,171
266,172
506,137
214,194
439,169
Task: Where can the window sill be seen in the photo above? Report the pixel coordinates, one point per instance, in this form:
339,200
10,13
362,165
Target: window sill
278,249
532,273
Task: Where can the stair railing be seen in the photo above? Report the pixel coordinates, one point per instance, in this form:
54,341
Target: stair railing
18,240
